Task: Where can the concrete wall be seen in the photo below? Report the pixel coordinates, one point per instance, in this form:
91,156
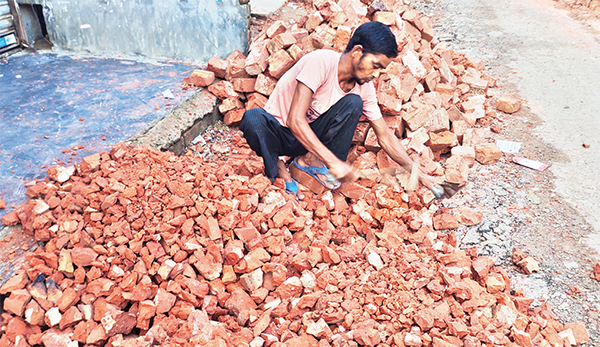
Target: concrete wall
188,30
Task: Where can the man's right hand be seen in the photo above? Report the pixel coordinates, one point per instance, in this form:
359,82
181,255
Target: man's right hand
343,171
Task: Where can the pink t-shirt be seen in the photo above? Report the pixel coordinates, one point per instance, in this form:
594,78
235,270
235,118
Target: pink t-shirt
318,70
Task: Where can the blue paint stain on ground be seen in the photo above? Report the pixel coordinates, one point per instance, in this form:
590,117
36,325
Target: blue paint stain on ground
44,96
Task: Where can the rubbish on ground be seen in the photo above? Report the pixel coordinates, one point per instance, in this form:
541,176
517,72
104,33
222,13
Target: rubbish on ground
168,94
532,164
534,198
585,145
509,147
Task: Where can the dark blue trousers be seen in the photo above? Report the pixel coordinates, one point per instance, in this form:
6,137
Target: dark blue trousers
270,140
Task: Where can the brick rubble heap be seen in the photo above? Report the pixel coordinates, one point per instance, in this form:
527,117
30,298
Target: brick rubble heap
146,248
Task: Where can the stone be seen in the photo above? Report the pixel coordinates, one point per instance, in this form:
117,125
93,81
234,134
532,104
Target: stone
424,319
375,260
34,313
457,170
411,60
487,153
319,329
495,283
56,338
580,332
118,322
83,256
468,217
200,78
445,221
508,104
18,281
467,152
301,341
253,280
10,219
229,105
223,90
90,163
595,272
17,301
68,298
70,318
53,316
291,288
275,29
529,265
313,21
60,174
417,118
164,301
96,335
146,311
387,18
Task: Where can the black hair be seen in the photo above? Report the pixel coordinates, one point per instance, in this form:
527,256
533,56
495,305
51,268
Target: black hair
375,38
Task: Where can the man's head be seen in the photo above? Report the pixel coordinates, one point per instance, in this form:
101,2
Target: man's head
372,47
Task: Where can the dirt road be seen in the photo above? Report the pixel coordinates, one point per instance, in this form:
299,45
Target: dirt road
552,60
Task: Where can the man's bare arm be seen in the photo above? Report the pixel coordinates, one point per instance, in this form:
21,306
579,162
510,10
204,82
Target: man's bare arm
299,126
392,146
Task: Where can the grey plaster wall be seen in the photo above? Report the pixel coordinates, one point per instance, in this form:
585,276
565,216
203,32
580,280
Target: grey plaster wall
188,30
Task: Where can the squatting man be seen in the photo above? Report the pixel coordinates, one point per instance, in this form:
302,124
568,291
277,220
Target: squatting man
315,107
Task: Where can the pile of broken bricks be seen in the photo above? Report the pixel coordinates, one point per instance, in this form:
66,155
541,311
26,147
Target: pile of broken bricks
433,98
146,248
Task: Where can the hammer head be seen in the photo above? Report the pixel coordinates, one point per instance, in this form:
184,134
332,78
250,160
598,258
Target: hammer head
445,189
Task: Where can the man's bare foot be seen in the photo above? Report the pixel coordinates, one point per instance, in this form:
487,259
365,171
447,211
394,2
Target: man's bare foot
282,172
309,159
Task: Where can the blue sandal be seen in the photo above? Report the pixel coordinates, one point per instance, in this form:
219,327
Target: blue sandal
330,181
292,189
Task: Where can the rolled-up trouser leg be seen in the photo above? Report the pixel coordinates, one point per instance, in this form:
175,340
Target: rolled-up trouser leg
334,128
262,132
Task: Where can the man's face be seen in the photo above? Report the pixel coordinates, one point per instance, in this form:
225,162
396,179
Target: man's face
369,66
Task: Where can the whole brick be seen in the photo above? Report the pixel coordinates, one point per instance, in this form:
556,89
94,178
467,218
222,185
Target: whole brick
234,117
244,84
220,67
279,63
223,90
200,78
387,18
265,84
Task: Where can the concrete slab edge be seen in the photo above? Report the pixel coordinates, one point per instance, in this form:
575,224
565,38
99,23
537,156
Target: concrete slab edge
177,129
